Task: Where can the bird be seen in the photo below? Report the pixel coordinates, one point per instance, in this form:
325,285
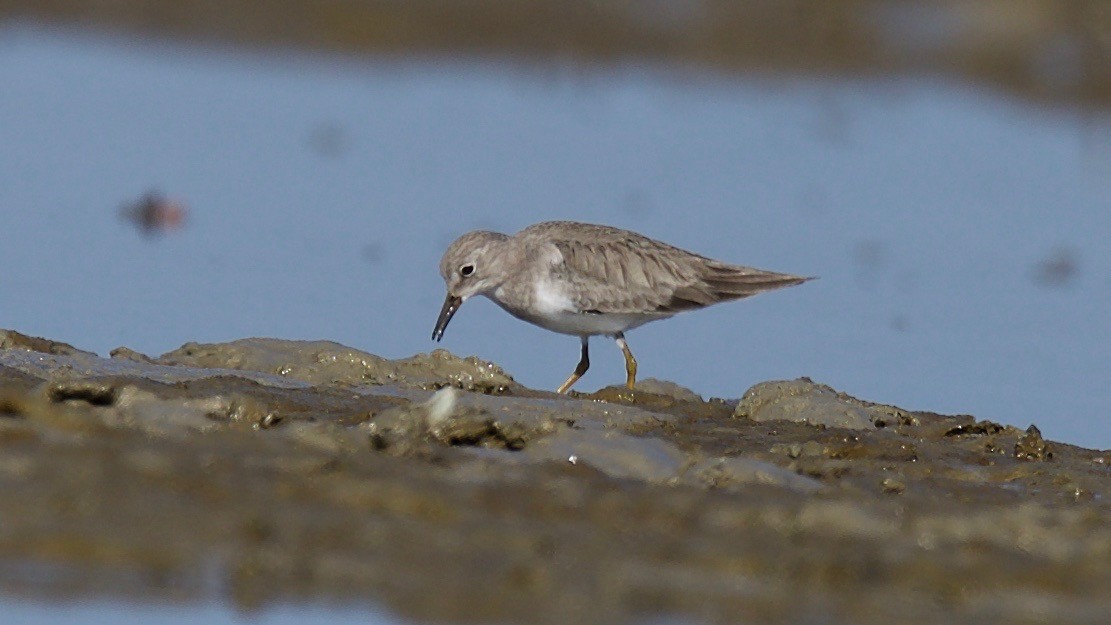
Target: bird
586,280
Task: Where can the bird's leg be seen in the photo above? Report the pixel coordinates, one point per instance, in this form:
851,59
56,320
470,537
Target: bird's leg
630,362
580,369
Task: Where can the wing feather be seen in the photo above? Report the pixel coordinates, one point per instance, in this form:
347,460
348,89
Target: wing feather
618,271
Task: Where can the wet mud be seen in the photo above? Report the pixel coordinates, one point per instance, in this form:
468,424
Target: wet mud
268,471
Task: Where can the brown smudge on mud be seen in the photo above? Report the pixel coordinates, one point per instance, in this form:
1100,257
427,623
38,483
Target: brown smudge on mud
283,471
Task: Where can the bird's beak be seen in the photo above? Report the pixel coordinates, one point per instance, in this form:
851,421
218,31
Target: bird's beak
451,304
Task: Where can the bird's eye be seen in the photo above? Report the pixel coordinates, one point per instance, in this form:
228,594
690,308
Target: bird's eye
466,270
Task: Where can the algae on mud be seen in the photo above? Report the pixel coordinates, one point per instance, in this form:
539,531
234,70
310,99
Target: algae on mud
285,471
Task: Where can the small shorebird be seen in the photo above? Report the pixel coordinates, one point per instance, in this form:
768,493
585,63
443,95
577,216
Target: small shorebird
584,279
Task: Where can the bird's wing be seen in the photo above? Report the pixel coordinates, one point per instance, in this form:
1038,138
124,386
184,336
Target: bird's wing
619,271
628,275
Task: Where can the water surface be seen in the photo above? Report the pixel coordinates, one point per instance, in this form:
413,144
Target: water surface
960,235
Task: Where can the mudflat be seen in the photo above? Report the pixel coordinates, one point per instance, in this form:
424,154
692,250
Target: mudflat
274,471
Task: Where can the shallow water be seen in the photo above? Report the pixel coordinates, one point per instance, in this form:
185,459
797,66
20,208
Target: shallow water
960,235
26,612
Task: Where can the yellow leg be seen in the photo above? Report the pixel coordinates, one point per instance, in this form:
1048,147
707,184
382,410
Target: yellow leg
566,386
580,369
630,361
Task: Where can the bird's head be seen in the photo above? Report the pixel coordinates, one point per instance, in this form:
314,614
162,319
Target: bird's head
467,270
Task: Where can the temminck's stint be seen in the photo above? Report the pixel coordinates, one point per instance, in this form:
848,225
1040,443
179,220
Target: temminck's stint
583,279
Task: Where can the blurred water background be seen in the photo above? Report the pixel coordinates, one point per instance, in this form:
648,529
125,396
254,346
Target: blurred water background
960,231
944,167
101,612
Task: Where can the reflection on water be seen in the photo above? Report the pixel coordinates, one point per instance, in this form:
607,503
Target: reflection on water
102,612
1058,269
322,192
155,214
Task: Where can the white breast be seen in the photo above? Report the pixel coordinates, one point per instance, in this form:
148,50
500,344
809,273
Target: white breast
552,309
548,299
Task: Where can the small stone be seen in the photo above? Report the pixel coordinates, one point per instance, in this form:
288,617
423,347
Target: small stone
1032,446
893,486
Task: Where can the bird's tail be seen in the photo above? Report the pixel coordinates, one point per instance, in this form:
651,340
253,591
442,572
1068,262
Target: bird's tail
735,281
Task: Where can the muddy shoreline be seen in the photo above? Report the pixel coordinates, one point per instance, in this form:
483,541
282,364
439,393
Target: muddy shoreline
267,471
1040,50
